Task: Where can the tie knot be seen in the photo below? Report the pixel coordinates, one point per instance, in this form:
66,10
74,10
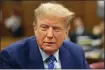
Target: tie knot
51,59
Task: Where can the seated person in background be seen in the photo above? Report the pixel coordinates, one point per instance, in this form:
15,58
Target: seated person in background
100,64
98,35
96,32
47,49
14,24
97,51
80,30
80,35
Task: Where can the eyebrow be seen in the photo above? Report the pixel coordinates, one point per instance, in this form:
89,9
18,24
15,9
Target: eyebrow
48,25
44,24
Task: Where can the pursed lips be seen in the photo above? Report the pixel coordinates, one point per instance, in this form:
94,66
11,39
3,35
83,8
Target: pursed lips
50,43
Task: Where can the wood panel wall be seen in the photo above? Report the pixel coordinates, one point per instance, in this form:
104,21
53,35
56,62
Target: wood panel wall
85,9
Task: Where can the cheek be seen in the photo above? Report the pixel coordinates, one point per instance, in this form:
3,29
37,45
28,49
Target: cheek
40,36
60,37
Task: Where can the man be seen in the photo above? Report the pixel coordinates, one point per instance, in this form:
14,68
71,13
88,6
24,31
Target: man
80,35
80,31
47,50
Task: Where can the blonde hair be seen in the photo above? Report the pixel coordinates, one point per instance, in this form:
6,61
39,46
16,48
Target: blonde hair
53,9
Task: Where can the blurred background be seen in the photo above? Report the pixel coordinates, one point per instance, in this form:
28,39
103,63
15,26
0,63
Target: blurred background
87,27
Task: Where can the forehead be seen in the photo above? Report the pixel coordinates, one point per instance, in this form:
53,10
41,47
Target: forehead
52,20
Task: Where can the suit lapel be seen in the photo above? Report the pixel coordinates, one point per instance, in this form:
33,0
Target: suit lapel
66,58
35,58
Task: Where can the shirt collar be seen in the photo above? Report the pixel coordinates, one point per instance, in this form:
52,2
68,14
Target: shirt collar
45,56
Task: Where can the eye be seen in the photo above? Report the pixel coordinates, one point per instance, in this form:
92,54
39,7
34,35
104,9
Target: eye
44,27
57,29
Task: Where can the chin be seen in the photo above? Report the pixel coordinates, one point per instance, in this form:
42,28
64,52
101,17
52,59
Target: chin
49,49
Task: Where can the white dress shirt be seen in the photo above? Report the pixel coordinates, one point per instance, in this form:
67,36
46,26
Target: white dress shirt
57,63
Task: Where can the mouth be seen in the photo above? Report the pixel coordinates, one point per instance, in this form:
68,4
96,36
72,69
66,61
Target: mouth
50,43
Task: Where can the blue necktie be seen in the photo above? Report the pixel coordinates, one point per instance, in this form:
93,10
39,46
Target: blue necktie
51,60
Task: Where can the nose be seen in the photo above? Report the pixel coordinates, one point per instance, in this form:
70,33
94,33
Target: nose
50,33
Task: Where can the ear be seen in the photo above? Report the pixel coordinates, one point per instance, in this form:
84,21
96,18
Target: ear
67,32
35,27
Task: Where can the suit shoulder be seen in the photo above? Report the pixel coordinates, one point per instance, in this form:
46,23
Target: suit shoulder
74,50
72,47
22,44
17,53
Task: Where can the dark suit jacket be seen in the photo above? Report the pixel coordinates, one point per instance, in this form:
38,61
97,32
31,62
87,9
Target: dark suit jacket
25,54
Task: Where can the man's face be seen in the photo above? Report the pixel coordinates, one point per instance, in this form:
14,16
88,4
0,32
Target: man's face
50,33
